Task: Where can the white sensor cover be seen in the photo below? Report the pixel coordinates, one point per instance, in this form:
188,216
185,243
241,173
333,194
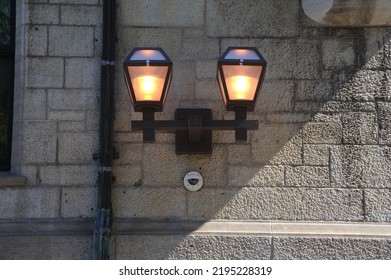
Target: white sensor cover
193,181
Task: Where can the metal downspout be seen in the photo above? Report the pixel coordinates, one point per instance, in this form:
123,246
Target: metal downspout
103,218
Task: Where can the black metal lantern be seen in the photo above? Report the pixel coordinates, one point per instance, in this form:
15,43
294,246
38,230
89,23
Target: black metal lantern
240,74
148,73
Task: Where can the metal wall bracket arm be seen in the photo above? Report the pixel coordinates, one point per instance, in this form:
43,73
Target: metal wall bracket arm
193,128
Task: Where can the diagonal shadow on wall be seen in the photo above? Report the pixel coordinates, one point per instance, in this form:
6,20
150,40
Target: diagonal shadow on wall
321,154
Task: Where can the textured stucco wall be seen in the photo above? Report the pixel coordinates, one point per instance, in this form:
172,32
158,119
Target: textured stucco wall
321,155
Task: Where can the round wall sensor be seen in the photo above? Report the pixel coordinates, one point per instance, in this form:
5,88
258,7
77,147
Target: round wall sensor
193,181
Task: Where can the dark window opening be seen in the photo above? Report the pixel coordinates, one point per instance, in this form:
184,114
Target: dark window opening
7,61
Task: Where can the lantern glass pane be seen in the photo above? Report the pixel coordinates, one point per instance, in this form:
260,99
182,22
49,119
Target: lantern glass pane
147,55
148,81
242,81
221,86
242,54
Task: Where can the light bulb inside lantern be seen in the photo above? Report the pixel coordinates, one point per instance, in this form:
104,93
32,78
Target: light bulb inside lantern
240,87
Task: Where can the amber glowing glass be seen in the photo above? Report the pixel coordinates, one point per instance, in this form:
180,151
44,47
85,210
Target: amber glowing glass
240,73
148,74
148,81
242,81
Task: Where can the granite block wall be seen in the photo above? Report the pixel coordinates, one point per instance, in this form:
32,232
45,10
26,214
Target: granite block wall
321,154
55,129
321,151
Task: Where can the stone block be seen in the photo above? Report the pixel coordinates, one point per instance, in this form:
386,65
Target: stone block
277,144
285,118
98,41
284,56
363,85
66,115
206,69
338,107
263,176
223,248
360,166
305,248
82,73
77,147
316,154
338,53
122,121
53,247
239,154
127,175
163,167
377,48
183,84
193,247
40,142
378,205
37,1
128,153
34,105
68,175
76,126
192,32
359,128
81,15
43,14
149,203
62,99
45,72
71,41
252,19
201,48
276,96
384,121
307,176
322,133
78,202
37,40
314,90
31,173
307,107
86,2
128,247
161,13
250,203
207,90
92,120
170,39
29,203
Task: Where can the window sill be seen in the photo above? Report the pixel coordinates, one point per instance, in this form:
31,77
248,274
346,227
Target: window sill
10,180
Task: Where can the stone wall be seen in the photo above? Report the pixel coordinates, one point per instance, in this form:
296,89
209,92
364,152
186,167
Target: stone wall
313,182
320,155
56,130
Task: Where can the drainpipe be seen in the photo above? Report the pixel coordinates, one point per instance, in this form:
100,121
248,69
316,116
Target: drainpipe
102,220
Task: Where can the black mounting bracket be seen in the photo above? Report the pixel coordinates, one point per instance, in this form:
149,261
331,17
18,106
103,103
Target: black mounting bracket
195,140
193,128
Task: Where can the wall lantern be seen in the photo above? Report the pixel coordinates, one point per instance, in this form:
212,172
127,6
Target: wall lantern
240,74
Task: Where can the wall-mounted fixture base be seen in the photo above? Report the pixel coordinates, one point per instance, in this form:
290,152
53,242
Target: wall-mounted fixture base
196,140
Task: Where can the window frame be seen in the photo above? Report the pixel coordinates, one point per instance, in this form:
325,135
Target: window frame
8,52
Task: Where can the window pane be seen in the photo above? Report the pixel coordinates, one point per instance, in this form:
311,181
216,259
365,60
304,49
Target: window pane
5,23
6,88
